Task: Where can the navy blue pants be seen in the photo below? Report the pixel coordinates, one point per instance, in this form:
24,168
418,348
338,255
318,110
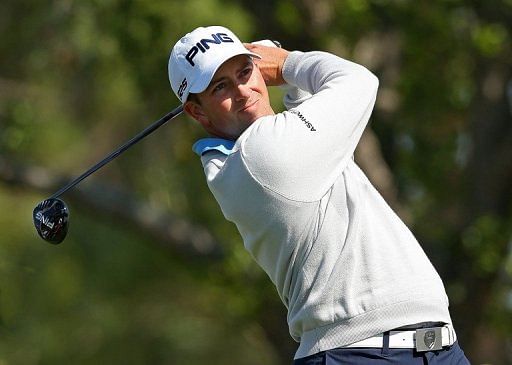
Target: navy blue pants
452,355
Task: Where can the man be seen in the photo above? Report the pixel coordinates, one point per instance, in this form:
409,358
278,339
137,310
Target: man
356,283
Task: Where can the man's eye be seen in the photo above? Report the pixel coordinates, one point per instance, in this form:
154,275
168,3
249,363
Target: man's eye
219,86
246,71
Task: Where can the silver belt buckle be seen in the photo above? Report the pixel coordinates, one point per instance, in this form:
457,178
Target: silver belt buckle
429,339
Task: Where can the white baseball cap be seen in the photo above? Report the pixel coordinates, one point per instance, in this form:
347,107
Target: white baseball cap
196,57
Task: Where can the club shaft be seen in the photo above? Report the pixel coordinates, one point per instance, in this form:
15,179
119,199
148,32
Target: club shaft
144,133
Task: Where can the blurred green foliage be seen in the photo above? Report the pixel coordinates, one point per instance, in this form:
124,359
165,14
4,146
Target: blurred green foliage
78,78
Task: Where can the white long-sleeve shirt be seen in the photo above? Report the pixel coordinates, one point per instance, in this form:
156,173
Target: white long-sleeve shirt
343,263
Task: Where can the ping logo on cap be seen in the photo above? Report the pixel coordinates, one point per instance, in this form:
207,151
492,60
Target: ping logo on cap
204,45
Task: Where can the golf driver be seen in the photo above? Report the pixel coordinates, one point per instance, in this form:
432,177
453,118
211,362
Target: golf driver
51,216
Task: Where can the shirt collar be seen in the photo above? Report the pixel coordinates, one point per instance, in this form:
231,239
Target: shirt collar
204,145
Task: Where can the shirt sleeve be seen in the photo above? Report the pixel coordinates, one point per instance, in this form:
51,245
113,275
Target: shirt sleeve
299,153
293,96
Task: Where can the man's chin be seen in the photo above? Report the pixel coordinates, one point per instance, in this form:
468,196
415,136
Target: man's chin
250,116
248,120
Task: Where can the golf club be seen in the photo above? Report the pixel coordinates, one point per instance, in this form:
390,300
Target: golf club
51,216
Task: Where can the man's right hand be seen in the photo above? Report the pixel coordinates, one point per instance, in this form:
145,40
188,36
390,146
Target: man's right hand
271,62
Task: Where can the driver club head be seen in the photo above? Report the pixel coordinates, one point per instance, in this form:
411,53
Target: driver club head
51,218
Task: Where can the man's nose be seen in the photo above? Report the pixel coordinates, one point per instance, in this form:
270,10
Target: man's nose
243,91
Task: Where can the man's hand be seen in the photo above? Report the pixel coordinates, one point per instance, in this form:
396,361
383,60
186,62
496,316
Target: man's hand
271,62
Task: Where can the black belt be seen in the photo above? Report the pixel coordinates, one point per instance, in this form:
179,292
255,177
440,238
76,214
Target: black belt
418,326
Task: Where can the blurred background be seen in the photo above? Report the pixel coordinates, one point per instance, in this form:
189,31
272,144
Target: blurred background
150,272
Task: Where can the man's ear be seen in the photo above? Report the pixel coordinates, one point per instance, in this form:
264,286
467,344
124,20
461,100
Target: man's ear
196,111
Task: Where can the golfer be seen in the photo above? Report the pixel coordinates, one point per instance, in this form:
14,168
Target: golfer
357,285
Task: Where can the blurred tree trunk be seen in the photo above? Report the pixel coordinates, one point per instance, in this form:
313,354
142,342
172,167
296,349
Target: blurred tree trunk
488,182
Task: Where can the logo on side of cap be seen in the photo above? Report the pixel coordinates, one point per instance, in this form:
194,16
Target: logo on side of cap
182,87
204,45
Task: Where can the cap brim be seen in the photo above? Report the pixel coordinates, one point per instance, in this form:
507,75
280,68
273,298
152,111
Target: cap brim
202,83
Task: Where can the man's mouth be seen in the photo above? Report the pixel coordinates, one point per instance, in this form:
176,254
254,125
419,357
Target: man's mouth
248,106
